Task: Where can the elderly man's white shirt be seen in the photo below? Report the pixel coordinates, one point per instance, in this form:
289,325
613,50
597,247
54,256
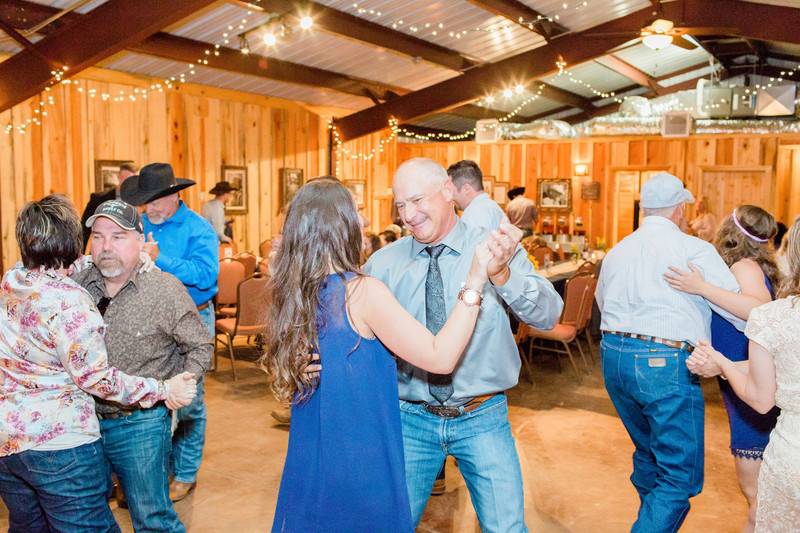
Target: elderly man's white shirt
634,298
483,212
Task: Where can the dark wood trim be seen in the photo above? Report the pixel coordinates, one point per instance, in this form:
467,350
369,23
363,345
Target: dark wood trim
624,68
521,14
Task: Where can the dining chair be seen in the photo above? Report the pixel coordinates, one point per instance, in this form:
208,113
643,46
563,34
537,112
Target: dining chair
249,261
231,273
253,301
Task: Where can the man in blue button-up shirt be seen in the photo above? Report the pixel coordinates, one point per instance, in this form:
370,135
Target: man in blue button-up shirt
184,244
479,435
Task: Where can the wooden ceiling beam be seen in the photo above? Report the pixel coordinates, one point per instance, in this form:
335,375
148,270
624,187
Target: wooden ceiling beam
87,41
624,68
24,14
521,14
359,29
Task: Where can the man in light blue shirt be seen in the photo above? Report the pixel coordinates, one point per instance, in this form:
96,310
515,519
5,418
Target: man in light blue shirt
649,330
478,208
185,245
470,420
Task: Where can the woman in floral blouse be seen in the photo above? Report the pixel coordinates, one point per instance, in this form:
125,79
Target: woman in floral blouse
53,474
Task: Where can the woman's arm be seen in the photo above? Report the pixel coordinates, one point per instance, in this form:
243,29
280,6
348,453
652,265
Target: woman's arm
754,383
747,273
373,305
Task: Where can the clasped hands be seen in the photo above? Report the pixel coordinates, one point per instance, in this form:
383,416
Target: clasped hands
705,361
181,390
501,244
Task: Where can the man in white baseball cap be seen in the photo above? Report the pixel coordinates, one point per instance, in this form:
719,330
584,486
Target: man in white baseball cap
649,330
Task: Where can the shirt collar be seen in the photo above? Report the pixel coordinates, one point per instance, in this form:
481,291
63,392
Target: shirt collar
453,240
655,220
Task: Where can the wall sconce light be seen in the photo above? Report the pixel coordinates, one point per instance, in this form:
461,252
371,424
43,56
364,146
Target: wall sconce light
581,169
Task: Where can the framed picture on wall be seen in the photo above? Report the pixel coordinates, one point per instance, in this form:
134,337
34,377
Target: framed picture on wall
555,194
500,192
358,188
106,173
291,181
488,185
236,176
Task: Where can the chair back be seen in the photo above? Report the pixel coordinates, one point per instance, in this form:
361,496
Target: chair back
231,273
587,305
265,248
587,268
249,261
575,297
540,252
254,299
227,249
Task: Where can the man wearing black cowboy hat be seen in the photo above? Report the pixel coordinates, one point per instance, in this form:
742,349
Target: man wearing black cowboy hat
184,244
214,210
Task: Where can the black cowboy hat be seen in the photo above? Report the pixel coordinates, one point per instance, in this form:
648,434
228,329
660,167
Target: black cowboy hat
513,193
154,181
222,187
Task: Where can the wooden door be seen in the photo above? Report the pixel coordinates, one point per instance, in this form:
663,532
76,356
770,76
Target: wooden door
627,185
727,187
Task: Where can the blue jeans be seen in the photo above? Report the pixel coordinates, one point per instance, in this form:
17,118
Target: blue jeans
661,404
482,443
138,448
64,490
190,435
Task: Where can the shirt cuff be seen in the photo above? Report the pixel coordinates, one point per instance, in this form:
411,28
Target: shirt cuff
513,288
164,262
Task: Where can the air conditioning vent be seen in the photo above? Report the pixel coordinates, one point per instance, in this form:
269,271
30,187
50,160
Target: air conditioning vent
676,124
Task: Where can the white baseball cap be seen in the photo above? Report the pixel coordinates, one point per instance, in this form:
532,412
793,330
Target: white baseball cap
664,190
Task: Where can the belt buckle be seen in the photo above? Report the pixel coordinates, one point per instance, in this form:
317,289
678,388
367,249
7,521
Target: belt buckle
443,411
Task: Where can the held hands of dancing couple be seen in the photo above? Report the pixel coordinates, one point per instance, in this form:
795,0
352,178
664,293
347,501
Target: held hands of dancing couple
380,315
180,390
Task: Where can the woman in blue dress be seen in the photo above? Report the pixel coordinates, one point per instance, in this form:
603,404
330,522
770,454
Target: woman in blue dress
743,241
344,469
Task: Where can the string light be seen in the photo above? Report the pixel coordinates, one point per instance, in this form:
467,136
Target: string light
562,71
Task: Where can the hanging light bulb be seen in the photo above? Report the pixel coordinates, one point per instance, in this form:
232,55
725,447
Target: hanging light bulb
519,88
306,22
244,46
508,93
657,41
270,39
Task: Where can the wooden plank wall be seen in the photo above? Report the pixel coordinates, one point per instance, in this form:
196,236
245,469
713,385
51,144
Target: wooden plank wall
196,129
522,163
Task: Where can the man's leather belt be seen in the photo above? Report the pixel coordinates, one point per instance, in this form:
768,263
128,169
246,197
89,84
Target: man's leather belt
123,412
678,345
203,306
445,411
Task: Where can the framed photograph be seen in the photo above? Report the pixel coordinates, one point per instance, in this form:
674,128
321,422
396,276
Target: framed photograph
236,176
359,190
555,194
590,191
106,173
291,181
488,185
500,192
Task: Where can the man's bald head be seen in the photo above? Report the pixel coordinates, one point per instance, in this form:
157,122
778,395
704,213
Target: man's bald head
423,169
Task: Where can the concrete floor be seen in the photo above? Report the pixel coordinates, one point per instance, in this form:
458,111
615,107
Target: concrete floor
574,452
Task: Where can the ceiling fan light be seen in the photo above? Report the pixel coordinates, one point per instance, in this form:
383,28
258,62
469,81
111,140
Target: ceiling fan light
656,41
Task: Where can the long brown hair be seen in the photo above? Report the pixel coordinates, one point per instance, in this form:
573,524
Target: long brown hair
322,232
791,282
733,245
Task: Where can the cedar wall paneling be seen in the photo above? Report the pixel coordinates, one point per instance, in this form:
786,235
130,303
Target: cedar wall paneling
195,129
732,169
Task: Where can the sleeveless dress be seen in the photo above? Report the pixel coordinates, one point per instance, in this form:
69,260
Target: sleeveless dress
344,468
749,429
776,327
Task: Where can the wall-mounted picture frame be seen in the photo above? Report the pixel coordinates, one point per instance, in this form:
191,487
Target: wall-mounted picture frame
500,192
358,188
106,173
291,181
488,185
555,194
236,176
590,191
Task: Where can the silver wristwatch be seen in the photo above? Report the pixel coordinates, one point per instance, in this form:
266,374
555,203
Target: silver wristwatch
470,297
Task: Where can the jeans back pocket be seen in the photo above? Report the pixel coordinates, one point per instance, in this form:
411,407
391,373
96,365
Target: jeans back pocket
657,372
50,462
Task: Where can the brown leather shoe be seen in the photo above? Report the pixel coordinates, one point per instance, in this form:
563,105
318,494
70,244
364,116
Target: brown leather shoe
439,487
178,490
283,415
